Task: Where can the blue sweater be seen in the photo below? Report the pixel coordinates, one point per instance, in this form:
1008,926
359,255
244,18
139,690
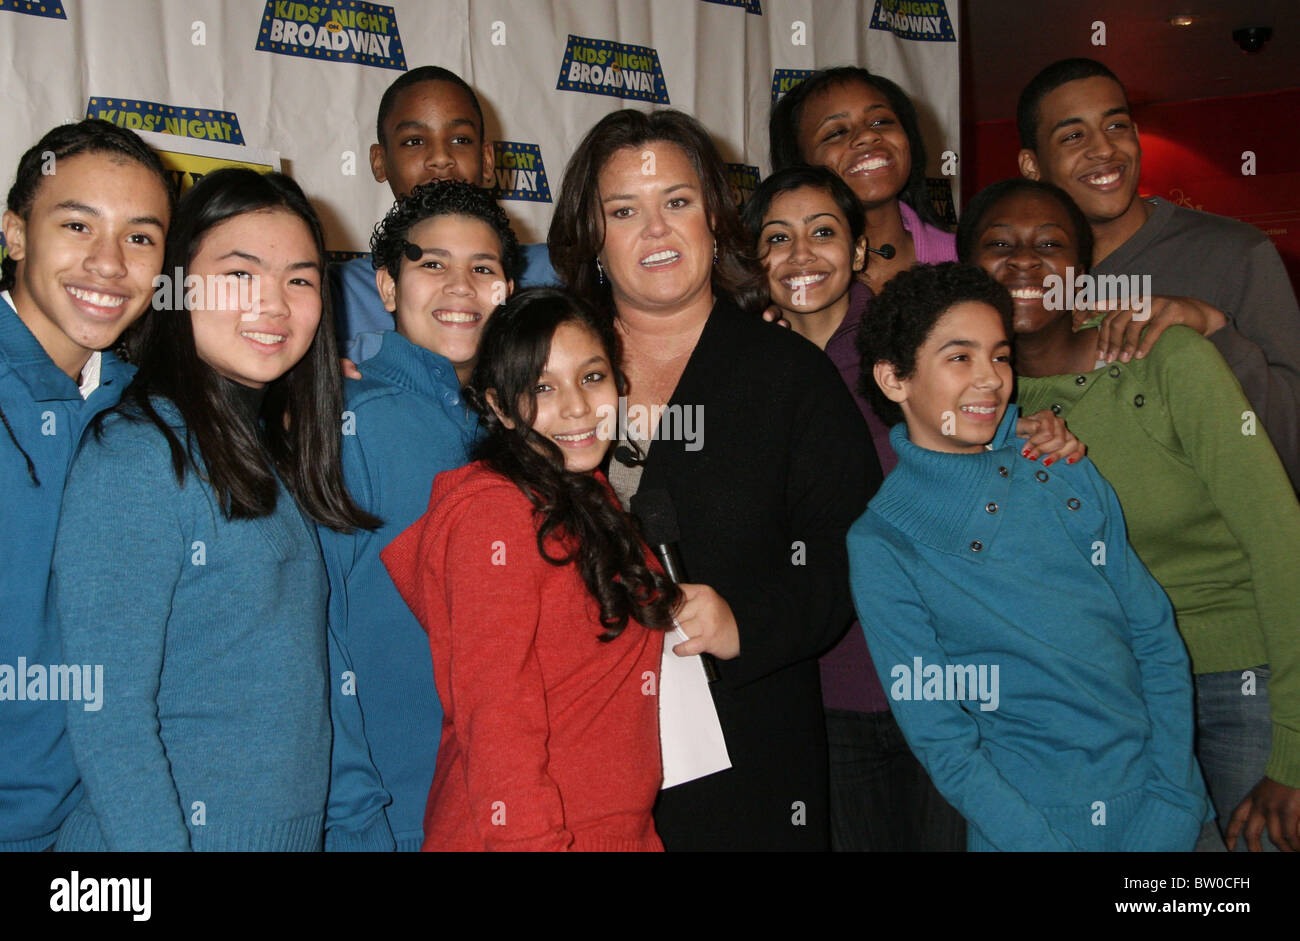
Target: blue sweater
404,424
214,732
44,419
359,312
967,564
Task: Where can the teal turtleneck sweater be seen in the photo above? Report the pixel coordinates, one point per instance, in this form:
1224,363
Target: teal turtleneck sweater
1030,659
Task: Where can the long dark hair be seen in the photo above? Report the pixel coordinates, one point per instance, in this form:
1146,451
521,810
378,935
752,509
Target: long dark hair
300,411
89,136
577,231
786,150
606,546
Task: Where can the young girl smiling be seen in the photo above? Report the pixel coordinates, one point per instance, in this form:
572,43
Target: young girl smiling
543,611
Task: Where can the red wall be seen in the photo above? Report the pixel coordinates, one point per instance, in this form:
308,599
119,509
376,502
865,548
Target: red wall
1191,155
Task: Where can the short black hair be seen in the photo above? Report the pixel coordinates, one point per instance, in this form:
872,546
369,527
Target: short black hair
425,73
902,316
1046,82
783,128
88,136
972,220
797,177
442,198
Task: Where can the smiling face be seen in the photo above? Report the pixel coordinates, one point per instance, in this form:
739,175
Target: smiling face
443,301
571,396
658,248
432,133
257,334
1022,239
851,129
87,254
805,246
1088,146
958,392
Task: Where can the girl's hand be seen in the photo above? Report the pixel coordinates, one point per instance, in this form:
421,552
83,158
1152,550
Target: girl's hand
706,618
349,368
1048,435
773,315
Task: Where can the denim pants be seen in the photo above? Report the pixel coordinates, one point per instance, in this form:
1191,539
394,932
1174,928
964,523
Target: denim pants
881,798
1234,735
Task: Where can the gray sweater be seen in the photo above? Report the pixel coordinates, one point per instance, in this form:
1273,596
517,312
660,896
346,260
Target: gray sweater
1234,267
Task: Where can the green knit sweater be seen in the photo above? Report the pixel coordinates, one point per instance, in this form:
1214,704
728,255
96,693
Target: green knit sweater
1209,508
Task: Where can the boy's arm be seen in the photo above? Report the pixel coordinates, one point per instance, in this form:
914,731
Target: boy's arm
943,735
354,814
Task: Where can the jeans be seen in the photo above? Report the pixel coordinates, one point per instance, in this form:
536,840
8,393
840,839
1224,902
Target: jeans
881,798
1234,736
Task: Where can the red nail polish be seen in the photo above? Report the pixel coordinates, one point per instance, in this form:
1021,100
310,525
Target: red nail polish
1072,459
1047,461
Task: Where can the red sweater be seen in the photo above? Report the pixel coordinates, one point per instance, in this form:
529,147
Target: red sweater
550,737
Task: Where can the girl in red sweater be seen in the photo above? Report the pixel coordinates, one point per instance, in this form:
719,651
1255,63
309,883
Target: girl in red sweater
543,609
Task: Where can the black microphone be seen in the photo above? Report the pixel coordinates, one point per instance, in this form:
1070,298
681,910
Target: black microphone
885,251
628,458
654,508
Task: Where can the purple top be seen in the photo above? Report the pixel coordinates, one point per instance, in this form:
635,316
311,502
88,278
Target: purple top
849,679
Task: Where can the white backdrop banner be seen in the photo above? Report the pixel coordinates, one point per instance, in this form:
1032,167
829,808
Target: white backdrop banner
303,78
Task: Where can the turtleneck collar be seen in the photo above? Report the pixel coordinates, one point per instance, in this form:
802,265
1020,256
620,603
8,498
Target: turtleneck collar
942,499
248,401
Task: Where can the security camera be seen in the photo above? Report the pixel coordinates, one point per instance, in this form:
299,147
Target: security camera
1252,38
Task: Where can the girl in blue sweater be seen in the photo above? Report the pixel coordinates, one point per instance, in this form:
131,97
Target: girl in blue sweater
186,563
1048,726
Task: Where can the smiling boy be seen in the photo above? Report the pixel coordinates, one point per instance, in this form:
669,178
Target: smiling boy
85,224
1221,277
430,127
957,568
447,258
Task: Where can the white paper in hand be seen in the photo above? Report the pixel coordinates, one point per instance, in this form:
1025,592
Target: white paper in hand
690,735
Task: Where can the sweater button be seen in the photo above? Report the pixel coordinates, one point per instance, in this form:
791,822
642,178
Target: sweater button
1139,401
1041,476
1002,472
976,546
1080,380
991,508
1056,409
1072,503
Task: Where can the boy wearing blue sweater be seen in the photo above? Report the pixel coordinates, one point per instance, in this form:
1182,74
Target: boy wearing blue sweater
84,227
1031,660
446,257
430,127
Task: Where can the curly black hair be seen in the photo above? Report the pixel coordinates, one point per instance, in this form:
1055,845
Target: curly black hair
973,218
605,543
441,198
901,317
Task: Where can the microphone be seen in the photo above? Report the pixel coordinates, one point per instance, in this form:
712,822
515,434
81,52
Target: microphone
654,508
885,251
629,458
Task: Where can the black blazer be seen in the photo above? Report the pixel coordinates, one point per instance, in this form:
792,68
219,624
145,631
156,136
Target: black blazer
786,466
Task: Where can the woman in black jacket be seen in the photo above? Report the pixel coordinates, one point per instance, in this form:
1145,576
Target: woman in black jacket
756,441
